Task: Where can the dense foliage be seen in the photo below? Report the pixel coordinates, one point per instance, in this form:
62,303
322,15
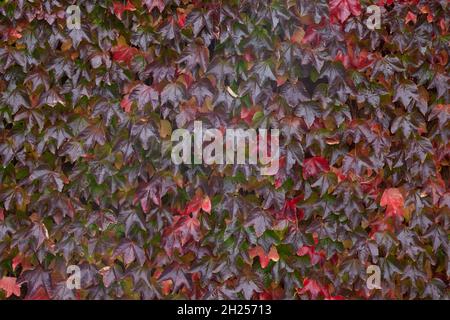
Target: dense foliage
87,178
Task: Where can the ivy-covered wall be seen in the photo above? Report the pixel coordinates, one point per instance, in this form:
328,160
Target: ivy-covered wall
87,108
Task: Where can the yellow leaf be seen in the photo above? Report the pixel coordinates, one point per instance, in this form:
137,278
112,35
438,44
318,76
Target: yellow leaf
165,129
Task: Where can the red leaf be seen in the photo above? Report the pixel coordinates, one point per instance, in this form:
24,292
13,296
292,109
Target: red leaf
314,256
119,8
393,199
290,210
335,298
14,34
126,103
41,294
342,9
9,284
16,261
197,203
272,293
206,204
313,166
2,216
313,287
311,35
247,114
278,183
263,258
193,206
410,17
123,53
181,19
343,58
358,61
183,230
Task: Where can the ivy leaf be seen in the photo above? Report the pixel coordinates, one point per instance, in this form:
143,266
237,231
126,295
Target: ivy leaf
394,202
174,93
260,220
313,166
119,8
144,94
264,258
406,92
130,251
196,54
37,279
10,286
313,287
123,53
343,9
178,275
154,191
155,4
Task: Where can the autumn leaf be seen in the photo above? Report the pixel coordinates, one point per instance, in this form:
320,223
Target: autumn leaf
313,166
313,287
206,204
10,286
181,18
126,103
290,210
197,203
335,298
393,200
343,9
264,258
165,128
119,8
315,256
123,53
410,17
298,36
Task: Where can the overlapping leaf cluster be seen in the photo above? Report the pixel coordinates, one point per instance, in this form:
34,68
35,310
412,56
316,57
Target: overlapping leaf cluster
87,179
